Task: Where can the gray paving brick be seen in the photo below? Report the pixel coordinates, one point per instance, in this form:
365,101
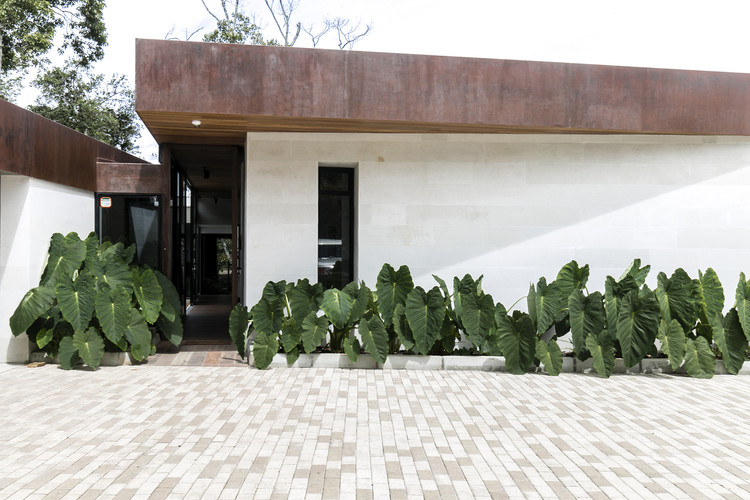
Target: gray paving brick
159,432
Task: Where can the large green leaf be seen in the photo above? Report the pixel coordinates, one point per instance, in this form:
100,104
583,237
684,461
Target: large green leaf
170,305
116,270
274,292
587,317
711,294
614,291
90,346
517,340
548,301
401,327
138,335
636,272
148,293
352,348
113,311
443,287
478,317
731,340
531,303
571,278
424,312
699,360
239,320
338,307
672,338
392,287
66,254
676,299
172,330
268,316
314,331
291,334
463,287
742,303
361,297
638,322
68,353
374,338
602,349
35,303
550,356
76,300
305,298
265,347
43,337
91,262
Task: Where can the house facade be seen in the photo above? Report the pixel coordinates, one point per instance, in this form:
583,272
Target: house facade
326,164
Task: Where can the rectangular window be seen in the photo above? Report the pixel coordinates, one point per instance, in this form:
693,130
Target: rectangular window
335,226
131,219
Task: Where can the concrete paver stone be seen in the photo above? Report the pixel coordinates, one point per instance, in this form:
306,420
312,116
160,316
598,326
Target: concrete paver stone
164,432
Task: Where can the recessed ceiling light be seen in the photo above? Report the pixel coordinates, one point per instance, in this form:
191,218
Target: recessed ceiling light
196,123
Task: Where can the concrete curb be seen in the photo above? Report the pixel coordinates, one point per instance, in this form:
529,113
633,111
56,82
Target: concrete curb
474,363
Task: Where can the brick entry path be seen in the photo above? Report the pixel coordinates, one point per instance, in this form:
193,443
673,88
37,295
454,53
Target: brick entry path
212,432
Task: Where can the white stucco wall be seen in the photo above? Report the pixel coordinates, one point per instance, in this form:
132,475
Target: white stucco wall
31,211
511,207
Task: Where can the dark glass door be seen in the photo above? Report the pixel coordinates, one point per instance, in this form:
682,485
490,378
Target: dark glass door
131,219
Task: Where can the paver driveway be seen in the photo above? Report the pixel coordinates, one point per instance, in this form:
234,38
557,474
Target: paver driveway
215,432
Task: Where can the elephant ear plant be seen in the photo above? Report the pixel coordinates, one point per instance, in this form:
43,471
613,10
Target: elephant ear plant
92,298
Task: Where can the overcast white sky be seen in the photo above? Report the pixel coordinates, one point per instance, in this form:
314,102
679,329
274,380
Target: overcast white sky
682,34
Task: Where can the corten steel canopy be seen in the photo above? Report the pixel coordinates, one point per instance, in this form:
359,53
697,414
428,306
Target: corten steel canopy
233,89
34,146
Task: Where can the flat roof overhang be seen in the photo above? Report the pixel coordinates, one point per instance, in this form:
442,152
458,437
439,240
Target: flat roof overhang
235,89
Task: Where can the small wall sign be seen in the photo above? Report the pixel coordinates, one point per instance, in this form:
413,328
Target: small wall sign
105,202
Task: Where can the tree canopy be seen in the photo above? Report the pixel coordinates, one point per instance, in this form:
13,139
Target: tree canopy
234,25
86,102
28,29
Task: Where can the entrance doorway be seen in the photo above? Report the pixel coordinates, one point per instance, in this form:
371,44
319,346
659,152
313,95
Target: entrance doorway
206,231
216,264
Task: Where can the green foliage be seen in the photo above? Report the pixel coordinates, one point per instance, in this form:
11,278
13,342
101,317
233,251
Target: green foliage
587,317
550,356
678,298
517,341
731,340
374,338
392,288
239,322
265,347
700,362
425,312
28,29
638,322
90,346
673,342
337,305
33,305
113,310
627,319
314,331
237,28
742,302
602,349
148,293
87,295
86,102
572,278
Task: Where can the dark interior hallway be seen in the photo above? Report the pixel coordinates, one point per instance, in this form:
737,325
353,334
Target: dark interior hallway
207,321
